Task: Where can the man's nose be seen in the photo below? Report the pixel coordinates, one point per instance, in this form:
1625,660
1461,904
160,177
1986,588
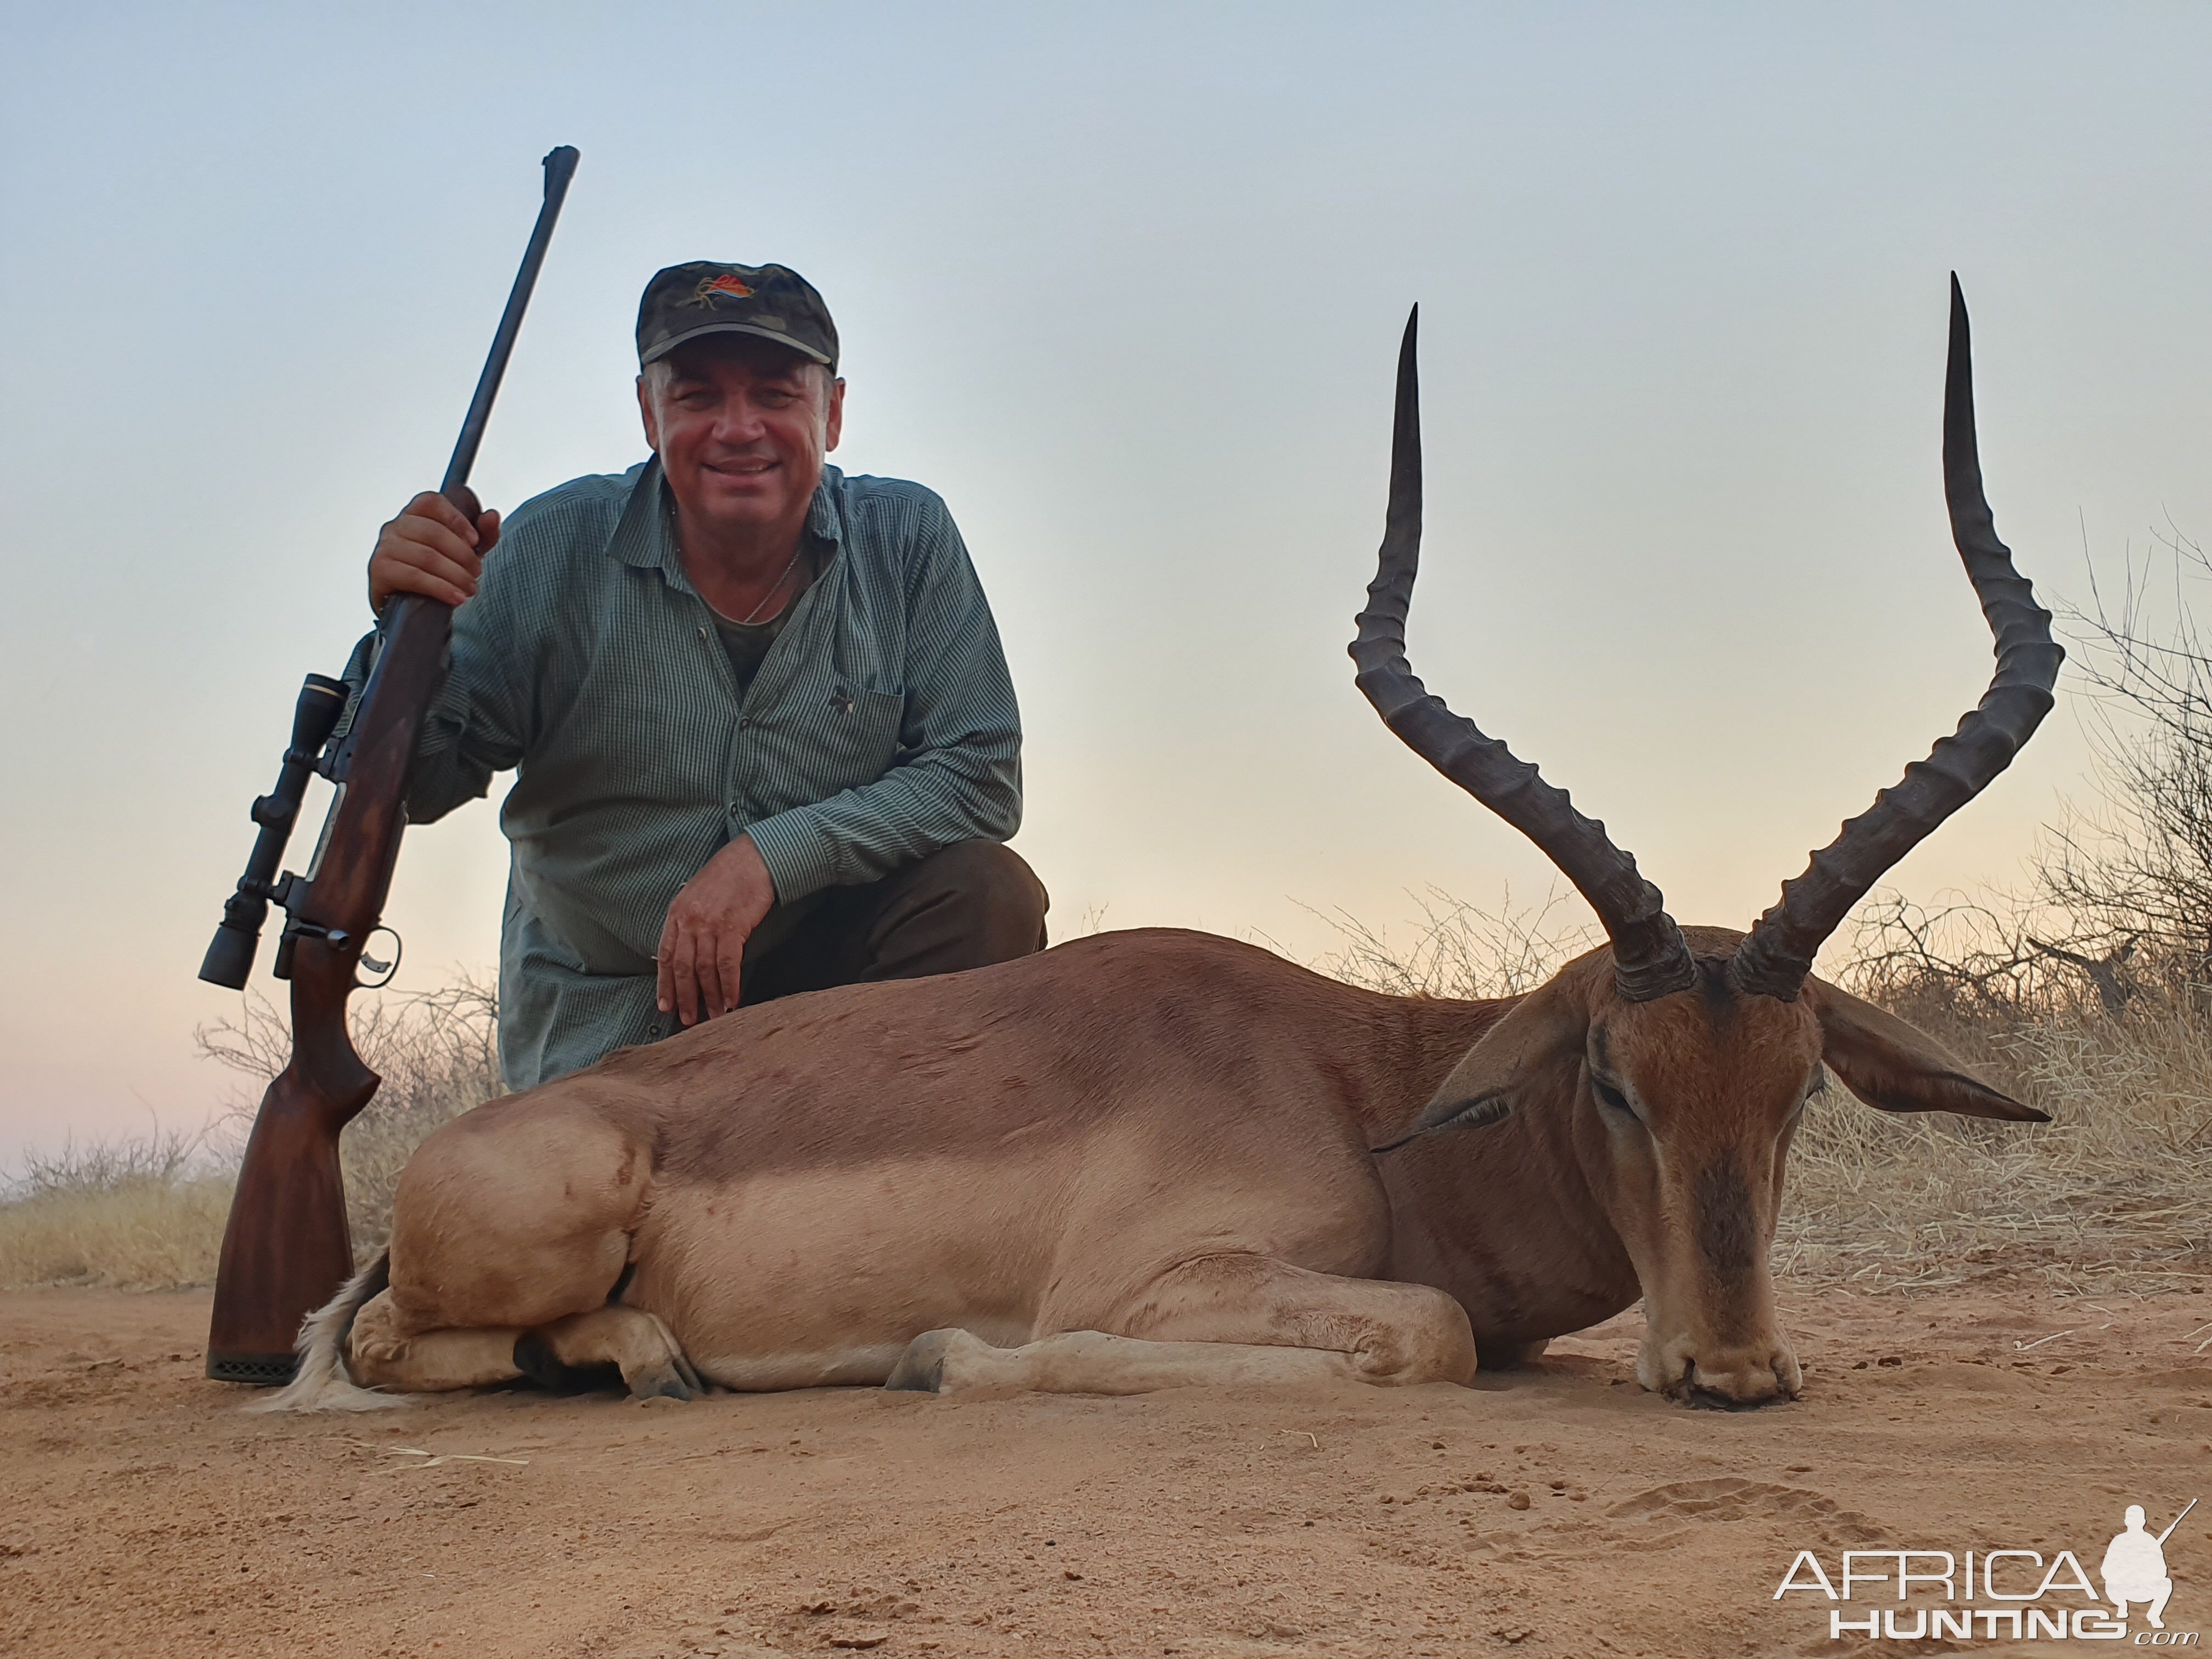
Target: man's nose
739,421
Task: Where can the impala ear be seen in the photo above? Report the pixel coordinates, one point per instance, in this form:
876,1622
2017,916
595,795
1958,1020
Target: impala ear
1545,1026
1897,1067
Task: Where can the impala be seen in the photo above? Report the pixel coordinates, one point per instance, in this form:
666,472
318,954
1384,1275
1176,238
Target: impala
1151,1158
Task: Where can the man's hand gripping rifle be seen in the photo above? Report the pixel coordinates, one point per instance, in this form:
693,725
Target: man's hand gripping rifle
286,1249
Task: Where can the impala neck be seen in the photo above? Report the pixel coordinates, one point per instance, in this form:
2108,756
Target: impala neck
1503,1219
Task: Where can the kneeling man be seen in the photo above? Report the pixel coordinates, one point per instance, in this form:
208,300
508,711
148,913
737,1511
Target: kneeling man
764,737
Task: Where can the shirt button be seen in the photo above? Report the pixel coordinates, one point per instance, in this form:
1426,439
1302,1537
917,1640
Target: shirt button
702,632
735,809
744,721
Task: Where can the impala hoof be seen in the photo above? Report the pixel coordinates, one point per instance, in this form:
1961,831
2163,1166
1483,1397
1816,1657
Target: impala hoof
668,1384
920,1369
668,1377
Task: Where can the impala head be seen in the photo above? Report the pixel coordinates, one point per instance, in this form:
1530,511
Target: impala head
1683,1059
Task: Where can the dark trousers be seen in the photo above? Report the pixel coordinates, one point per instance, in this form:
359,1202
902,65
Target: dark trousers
974,903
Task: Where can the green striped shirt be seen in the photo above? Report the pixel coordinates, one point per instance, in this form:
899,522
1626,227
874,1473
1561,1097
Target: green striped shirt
880,727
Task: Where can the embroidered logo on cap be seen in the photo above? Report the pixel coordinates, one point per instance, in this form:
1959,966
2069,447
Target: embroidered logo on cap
710,287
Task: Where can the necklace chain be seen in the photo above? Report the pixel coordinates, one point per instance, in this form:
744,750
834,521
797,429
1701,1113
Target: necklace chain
774,587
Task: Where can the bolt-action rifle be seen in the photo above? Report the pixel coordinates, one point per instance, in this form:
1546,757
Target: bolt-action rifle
287,1249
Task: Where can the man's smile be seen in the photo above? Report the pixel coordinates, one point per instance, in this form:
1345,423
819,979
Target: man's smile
745,466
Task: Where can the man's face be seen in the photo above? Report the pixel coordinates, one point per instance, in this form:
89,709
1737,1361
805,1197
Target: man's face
741,426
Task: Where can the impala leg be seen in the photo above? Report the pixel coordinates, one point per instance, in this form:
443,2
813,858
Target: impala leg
512,1223
1383,1331
514,1215
1092,1362
632,1340
1221,1320
387,1351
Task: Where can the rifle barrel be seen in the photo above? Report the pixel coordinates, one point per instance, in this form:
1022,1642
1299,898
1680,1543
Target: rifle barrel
559,167
2177,1520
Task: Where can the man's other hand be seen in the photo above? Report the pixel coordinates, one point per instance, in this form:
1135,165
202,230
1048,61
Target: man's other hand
702,948
430,548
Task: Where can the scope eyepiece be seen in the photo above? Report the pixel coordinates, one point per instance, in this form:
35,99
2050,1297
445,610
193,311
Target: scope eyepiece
315,716
229,959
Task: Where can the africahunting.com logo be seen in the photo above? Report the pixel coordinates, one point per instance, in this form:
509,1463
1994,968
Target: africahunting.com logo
1999,1596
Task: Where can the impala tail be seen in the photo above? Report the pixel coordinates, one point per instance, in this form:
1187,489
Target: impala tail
321,1384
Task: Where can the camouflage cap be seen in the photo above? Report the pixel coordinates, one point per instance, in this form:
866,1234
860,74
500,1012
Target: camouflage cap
774,302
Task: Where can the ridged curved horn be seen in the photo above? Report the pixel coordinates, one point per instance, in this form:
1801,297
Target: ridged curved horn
1649,957
1775,959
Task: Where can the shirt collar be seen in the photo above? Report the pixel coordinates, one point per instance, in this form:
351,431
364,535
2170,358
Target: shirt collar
644,537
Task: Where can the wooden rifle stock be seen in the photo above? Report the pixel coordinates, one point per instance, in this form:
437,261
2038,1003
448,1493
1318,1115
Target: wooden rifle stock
287,1249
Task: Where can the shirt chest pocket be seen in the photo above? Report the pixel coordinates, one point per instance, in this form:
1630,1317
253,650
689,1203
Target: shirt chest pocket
851,738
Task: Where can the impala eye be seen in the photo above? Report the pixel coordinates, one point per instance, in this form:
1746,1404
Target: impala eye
1610,1097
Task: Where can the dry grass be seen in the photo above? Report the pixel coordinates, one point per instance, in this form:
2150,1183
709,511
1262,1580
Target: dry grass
437,1052
148,1214
146,1236
1460,950
136,1214
2111,1195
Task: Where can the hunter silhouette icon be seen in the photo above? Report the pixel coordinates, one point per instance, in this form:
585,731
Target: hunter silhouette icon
2135,1566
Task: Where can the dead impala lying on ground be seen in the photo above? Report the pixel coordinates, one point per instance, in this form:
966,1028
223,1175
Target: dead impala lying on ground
1149,1158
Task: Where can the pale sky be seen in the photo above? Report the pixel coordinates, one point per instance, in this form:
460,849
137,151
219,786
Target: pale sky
1123,284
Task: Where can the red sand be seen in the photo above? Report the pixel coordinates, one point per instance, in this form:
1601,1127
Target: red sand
144,1516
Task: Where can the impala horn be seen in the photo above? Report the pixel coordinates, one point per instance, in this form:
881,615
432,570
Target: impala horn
1650,956
1775,958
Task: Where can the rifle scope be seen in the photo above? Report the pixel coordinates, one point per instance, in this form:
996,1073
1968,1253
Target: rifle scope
230,957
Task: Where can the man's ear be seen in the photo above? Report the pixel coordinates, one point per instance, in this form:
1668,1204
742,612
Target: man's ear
647,413
1895,1066
834,426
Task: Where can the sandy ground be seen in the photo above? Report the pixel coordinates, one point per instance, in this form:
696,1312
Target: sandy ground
141,1514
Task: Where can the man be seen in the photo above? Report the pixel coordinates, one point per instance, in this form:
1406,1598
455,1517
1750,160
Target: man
764,737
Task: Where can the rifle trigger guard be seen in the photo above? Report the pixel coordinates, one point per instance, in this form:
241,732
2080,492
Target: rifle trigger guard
388,969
